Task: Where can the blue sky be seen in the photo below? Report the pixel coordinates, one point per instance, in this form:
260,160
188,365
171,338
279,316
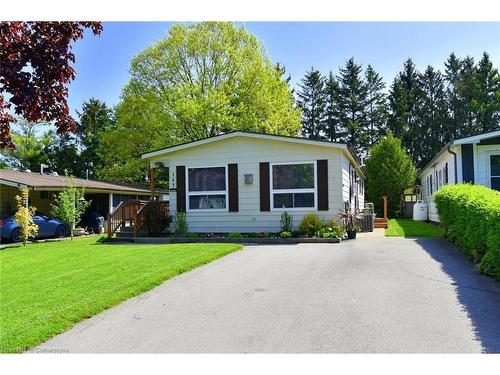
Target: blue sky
103,62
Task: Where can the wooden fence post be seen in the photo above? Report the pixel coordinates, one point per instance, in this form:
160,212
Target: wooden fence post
385,207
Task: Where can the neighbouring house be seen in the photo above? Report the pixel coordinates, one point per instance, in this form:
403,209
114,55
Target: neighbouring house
473,159
104,196
243,182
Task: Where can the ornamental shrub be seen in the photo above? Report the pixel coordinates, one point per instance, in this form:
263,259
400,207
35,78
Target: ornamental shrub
286,222
24,216
470,215
234,235
310,224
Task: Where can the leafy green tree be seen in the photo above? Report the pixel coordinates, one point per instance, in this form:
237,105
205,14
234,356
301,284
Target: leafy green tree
141,125
30,150
95,118
64,156
352,102
332,126
376,108
69,205
487,101
213,77
389,171
311,99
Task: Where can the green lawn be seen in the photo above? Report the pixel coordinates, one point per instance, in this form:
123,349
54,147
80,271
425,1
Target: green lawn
410,228
46,288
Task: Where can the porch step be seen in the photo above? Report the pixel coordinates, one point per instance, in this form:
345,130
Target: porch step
125,232
380,222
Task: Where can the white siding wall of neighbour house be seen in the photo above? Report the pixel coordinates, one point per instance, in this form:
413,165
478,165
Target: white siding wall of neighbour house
482,169
248,153
438,166
345,183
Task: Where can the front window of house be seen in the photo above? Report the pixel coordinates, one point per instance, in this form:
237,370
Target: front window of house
495,171
293,185
207,188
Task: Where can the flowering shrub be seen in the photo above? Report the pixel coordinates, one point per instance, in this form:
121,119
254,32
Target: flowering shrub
24,216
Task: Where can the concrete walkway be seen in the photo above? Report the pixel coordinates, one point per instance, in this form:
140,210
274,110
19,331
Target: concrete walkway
369,295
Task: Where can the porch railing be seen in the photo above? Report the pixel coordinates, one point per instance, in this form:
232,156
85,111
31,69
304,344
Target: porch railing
125,213
152,215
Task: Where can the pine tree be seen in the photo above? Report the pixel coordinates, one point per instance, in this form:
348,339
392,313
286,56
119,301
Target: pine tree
333,131
468,93
456,117
433,115
376,108
487,101
405,96
312,102
352,102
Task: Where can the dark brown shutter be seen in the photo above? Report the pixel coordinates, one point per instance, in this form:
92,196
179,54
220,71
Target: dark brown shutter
446,173
181,188
264,187
322,181
232,174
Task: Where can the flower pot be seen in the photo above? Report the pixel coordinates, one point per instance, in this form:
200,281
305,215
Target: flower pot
351,234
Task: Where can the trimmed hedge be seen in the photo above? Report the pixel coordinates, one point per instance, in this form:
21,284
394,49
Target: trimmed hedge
470,215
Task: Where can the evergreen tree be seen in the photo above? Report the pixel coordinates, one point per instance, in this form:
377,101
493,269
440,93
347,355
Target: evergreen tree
352,102
95,118
433,116
456,112
333,130
487,102
376,108
405,97
468,92
313,104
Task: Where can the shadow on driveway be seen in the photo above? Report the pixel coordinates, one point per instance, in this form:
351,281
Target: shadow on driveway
479,294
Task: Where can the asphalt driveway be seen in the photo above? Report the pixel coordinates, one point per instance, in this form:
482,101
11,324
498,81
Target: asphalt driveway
369,295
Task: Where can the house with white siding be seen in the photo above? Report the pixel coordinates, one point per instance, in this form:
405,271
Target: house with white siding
243,181
473,159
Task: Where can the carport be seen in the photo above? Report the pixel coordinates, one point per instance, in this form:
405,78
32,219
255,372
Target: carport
104,196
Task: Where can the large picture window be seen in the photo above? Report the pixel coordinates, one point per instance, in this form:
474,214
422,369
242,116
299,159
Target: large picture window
293,185
495,171
207,188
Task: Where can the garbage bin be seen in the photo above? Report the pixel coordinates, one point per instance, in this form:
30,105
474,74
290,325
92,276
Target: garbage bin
367,223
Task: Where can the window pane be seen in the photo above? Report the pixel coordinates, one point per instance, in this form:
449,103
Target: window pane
495,183
283,200
303,199
206,202
207,179
293,176
290,200
495,165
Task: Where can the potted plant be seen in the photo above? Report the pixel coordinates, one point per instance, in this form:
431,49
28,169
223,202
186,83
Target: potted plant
350,221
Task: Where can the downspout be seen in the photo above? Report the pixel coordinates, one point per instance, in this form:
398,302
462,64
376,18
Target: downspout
454,161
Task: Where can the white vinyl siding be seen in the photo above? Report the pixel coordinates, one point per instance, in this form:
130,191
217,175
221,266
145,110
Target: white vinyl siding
482,169
248,153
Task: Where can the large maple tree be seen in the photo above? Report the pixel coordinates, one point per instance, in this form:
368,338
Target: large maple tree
35,69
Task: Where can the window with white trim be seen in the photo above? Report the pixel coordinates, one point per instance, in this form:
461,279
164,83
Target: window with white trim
495,171
207,188
293,185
